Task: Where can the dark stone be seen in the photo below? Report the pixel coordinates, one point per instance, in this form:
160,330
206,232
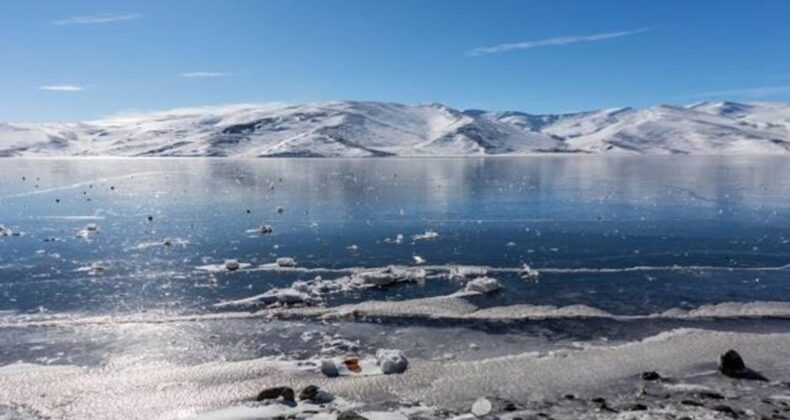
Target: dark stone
273,393
599,400
726,409
650,376
731,364
605,407
710,395
350,415
691,403
569,397
638,407
510,407
308,393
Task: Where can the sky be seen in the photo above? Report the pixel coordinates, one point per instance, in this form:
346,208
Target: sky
83,59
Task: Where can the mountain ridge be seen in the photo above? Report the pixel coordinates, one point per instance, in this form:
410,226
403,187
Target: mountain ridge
379,129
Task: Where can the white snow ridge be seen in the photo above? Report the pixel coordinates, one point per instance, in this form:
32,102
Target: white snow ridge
366,129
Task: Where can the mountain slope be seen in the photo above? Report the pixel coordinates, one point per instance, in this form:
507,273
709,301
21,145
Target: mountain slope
368,129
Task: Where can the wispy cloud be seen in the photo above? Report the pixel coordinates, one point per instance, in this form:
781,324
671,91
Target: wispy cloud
204,74
98,18
755,92
62,88
553,42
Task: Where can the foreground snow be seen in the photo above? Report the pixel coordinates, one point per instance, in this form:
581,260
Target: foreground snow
364,129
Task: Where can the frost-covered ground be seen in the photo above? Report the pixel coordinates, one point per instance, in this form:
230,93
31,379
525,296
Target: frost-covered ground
519,288
363,129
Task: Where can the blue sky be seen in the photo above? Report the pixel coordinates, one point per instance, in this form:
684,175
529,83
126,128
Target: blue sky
80,59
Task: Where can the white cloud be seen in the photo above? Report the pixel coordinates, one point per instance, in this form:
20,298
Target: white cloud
98,18
756,92
198,74
550,42
62,88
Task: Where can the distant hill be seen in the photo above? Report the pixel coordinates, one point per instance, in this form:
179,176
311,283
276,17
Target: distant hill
370,129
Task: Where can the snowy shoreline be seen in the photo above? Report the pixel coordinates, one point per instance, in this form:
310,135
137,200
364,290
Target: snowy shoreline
598,381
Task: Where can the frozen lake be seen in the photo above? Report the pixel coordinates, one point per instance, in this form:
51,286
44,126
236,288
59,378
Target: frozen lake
629,236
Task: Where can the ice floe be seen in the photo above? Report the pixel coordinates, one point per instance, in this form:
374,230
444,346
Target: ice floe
426,236
483,285
312,291
228,265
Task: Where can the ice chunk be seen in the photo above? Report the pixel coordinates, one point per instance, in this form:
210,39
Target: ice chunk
398,239
529,272
286,262
428,235
483,285
391,361
465,271
232,265
418,259
387,276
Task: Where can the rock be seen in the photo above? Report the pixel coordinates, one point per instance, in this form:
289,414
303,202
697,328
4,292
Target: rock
650,376
352,364
510,407
731,364
167,242
726,409
265,229
283,392
232,265
638,407
481,407
691,403
309,392
710,395
350,415
329,368
391,361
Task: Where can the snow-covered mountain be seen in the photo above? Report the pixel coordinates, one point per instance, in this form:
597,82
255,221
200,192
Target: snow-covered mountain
362,129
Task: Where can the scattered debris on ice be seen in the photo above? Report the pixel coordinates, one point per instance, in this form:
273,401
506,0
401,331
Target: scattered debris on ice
88,232
427,236
94,269
4,231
